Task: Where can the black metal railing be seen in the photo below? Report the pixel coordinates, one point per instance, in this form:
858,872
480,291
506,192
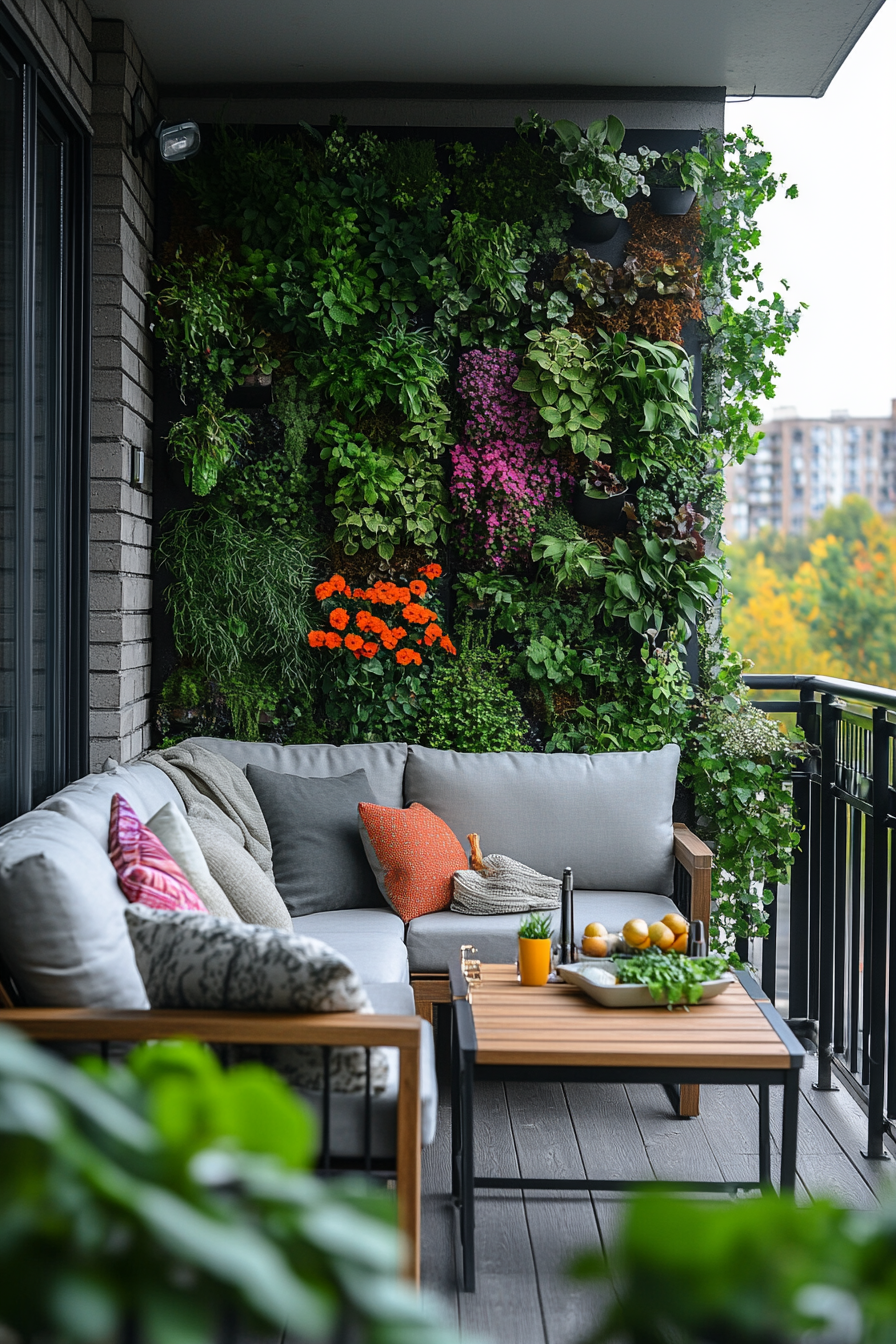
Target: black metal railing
830,954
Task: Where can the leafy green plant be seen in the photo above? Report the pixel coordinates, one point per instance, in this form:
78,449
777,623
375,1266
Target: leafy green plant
470,705
564,379
679,168
597,175
269,483
412,171
201,318
762,1271
490,253
239,596
121,1187
207,441
536,926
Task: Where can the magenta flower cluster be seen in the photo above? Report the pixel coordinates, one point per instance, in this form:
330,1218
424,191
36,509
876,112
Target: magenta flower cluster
500,478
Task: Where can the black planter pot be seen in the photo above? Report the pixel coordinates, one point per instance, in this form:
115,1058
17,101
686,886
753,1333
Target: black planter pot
597,512
671,200
593,228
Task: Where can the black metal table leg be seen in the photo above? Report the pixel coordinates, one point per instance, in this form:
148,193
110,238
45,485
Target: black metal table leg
789,1129
455,1114
765,1137
468,1192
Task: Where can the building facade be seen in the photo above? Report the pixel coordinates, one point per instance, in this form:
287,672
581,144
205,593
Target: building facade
804,466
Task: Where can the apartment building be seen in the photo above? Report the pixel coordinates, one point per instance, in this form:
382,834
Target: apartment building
803,466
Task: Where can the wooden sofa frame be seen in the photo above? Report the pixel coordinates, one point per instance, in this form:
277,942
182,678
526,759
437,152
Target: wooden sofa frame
230,1028
693,862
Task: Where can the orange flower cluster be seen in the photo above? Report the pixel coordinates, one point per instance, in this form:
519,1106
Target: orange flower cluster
389,637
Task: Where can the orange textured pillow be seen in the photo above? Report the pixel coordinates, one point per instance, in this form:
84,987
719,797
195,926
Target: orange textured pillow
414,856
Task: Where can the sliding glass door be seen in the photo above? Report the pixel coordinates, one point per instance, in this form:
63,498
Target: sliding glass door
44,373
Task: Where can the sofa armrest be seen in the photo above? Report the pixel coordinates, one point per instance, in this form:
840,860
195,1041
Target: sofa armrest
695,858
362,1029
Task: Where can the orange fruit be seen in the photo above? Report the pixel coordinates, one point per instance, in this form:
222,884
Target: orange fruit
595,930
677,923
594,947
661,935
636,933
680,944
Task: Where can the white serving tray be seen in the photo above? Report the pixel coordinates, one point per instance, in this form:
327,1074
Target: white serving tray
631,996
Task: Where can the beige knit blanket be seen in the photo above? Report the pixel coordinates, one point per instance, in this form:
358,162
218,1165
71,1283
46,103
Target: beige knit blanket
503,887
216,790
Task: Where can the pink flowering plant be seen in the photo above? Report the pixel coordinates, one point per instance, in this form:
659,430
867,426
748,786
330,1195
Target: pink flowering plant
500,478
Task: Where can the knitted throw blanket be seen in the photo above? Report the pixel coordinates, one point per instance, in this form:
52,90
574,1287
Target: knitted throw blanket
504,887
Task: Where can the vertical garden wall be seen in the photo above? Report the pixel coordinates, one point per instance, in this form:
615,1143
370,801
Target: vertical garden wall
447,473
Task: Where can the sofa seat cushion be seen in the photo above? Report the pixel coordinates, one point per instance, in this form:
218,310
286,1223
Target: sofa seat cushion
607,816
434,941
88,801
347,1109
372,940
382,762
62,926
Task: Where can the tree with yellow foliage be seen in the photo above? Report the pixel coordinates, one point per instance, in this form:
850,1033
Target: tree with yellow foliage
824,604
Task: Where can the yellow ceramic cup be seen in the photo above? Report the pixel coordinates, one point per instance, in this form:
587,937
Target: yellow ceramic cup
535,960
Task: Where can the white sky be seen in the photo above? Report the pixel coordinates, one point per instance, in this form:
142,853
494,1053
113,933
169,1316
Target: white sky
836,244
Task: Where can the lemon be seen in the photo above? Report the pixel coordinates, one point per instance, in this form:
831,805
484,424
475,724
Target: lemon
595,930
661,935
676,922
594,947
636,932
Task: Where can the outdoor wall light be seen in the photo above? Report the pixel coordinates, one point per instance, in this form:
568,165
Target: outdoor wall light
176,142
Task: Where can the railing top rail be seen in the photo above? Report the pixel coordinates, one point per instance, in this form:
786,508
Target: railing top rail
848,690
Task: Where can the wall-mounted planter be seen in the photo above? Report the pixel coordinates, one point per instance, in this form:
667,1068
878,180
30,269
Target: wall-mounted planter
671,200
591,512
592,228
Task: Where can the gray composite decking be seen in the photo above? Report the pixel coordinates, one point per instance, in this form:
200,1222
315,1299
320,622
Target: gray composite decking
524,1241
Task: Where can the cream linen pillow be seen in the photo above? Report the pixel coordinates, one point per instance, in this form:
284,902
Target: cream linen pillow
170,826
250,891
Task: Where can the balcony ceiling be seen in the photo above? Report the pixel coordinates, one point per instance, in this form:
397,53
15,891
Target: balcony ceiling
786,48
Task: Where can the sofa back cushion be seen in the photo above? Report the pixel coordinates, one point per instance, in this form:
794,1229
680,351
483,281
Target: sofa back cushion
62,928
382,762
607,816
88,801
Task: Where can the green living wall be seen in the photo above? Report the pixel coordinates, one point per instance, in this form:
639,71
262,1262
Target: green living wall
394,547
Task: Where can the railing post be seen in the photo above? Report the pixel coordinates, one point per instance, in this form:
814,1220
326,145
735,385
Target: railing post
830,715
877,962
800,871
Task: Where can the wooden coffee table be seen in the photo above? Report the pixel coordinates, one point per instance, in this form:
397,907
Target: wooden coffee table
503,1031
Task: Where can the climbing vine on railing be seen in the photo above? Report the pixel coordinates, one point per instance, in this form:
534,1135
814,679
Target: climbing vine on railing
447,362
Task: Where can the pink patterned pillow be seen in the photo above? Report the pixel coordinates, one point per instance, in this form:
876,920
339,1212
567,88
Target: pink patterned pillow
147,874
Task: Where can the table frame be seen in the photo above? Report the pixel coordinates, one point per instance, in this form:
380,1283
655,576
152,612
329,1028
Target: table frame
465,1072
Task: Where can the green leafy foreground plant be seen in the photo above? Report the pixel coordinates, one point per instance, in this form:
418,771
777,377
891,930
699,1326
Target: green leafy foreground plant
168,1197
470,706
758,1271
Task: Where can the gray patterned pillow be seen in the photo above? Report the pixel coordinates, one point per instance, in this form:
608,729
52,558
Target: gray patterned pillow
189,960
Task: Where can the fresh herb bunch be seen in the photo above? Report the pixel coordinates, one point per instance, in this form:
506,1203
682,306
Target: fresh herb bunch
672,975
536,926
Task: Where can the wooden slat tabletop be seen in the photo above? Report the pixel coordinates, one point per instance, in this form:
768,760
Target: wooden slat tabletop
557,1024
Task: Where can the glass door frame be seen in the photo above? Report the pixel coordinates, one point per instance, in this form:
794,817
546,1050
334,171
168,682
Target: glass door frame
42,110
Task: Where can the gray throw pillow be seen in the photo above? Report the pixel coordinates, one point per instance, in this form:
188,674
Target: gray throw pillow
189,960
319,860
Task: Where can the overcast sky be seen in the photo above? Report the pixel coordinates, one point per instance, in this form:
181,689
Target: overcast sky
836,244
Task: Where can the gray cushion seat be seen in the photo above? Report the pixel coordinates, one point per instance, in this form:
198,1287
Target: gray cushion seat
434,941
347,1108
372,940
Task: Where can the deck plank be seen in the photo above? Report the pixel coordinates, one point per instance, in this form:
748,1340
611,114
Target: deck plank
507,1299
546,1146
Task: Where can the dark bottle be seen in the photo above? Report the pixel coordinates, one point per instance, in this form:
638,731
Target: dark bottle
568,951
696,939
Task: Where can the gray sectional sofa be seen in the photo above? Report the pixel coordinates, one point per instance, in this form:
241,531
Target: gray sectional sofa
69,970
